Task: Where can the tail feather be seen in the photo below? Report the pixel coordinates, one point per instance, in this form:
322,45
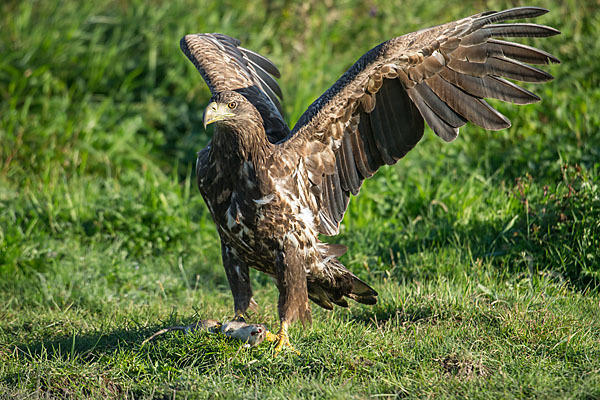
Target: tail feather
326,292
362,292
317,294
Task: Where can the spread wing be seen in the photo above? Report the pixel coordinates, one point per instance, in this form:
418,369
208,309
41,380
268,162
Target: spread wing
374,114
225,65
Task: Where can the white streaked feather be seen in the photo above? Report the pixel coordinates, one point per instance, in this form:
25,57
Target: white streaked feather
307,217
265,199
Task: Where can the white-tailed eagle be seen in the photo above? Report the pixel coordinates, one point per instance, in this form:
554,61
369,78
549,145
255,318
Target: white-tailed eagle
272,191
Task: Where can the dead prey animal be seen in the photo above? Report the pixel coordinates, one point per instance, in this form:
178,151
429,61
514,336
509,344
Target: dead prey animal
250,334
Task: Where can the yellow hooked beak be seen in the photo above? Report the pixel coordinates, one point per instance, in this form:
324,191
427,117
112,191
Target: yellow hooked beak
216,112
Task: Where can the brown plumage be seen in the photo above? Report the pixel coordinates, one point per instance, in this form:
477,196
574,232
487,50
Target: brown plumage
271,191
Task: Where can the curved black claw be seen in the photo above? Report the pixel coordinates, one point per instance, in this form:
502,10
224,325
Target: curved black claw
239,317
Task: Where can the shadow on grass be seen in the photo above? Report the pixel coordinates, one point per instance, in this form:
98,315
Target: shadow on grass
89,347
61,364
382,313
391,314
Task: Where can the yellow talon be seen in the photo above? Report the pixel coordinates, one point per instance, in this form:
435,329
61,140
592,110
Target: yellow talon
282,339
270,337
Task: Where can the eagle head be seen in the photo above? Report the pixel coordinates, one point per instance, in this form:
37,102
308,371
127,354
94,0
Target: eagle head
228,107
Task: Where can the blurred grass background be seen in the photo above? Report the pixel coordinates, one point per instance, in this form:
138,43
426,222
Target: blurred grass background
486,252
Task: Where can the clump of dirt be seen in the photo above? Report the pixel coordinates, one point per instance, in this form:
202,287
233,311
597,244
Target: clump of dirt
463,368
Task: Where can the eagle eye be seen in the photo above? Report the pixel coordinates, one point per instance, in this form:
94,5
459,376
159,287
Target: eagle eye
232,105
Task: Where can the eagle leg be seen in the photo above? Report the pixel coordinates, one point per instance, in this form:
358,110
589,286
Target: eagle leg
238,277
282,339
293,293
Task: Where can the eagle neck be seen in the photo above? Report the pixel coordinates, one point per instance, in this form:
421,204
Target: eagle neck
234,145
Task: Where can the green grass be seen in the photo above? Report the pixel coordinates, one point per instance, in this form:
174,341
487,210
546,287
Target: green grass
485,252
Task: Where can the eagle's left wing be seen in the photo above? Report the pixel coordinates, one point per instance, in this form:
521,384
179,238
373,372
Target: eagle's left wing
373,115
225,65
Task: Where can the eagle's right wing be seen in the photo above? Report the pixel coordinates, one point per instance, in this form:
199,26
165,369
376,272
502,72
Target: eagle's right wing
225,65
373,115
